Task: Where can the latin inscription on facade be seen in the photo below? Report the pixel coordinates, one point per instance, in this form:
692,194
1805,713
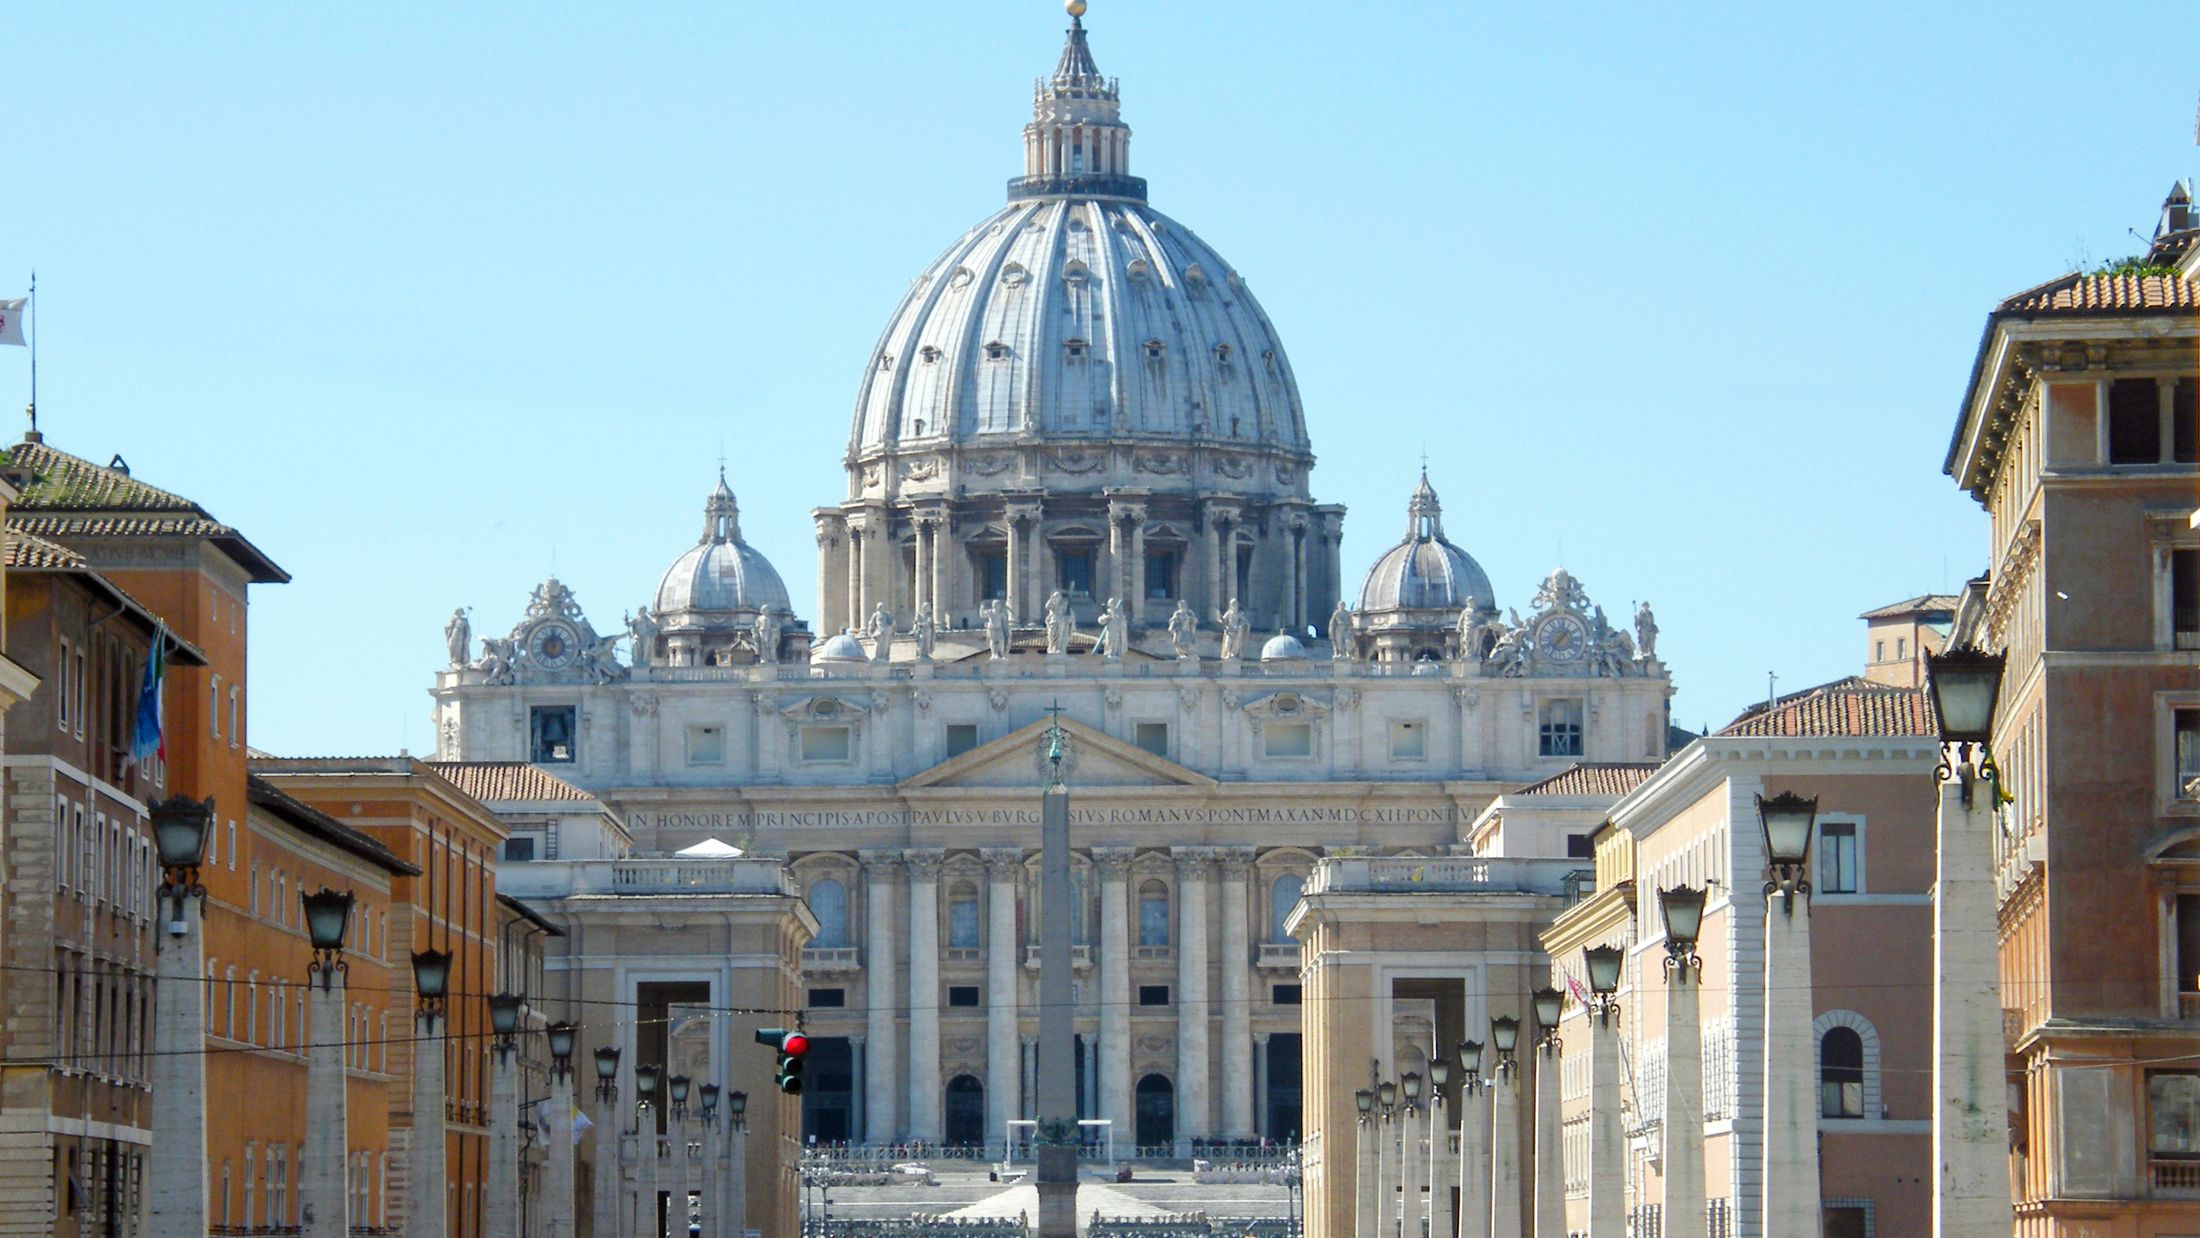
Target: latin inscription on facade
741,821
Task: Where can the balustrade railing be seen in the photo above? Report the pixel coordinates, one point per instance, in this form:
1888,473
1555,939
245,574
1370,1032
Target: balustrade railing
2179,1178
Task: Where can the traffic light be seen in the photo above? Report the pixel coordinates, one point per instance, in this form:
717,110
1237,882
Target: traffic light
790,1046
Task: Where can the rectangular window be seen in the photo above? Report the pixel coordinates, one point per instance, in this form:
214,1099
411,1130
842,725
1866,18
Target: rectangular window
993,574
550,731
62,691
214,706
1287,739
962,924
962,737
962,996
1153,995
1284,994
2187,722
2184,598
828,999
1837,858
1879,651
1559,734
2173,1114
1580,847
236,732
232,846
1408,741
706,745
2184,411
1076,568
1151,737
1160,575
825,743
519,850
2134,421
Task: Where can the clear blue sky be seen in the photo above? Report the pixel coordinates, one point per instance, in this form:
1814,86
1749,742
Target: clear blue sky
425,297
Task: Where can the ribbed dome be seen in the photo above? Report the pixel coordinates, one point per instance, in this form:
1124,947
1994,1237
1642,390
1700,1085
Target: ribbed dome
721,573
1425,571
1282,647
839,647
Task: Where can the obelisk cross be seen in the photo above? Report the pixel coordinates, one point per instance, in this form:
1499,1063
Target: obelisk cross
1055,736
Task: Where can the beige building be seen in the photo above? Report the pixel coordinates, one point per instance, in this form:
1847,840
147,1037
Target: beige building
1898,636
2079,436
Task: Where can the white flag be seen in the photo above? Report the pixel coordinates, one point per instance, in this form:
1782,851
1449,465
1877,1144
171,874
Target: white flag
11,321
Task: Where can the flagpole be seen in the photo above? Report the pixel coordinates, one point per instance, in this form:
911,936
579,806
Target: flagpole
30,328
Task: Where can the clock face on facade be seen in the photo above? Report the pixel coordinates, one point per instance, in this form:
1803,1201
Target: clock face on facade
552,645
1562,638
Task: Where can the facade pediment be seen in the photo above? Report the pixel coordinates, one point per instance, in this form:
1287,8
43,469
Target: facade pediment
1090,759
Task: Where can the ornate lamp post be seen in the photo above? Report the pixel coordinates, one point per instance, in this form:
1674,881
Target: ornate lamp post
427,1178
1607,1135
1550,1166
1791,1187
1970,1100
649,1220
177,1157
557,1190
1505,1129
504,1143
1386,1160
323,1202
606,1208
1365,1171
1439,1156
1411,1159
1474,1145
1685,1207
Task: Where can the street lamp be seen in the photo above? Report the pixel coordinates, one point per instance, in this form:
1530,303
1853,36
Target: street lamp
1504,1037
432,981
1439,1074
1364,1101
1550,1007
328,918
679,1085
1604,968
1387,1093
504,1018
1787,819
1966,685
607,1073
709,1100
177,1153
1410,1084
561,1035
645,1083
181,828
1682,910
1470,1064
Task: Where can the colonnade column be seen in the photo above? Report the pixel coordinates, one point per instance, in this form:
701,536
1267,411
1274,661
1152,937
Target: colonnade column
943,571
1412,1163
829,571
920,570
1016,539
1237,1005
1210,563
1003,1082
881,1021
1474,1159
1192,1071
924,994
1505,1151
1294,535
854,617
1114,864
1118,560
1365,1173
1135,599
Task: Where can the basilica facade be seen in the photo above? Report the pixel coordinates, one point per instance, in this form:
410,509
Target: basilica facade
1078,489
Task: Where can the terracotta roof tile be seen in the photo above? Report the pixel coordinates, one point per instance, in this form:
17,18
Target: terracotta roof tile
492,781
1911,606
1614,778
1846,707
64,496
102,525
2106,294
22,549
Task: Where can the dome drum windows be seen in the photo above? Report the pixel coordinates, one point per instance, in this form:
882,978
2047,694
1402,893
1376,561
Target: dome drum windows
928,354
1156,351
995,350
1075,349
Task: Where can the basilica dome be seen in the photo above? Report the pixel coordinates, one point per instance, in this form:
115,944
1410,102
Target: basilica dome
721,573
1424,571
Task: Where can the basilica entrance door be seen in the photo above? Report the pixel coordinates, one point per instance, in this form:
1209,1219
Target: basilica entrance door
965,1112
1156,1116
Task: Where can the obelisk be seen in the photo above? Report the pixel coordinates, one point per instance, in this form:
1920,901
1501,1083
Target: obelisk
1057,1144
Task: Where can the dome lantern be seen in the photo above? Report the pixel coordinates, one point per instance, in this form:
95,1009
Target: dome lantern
1077,141
1414,593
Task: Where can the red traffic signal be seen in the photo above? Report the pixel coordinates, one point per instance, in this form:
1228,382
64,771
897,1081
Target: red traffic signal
780,1040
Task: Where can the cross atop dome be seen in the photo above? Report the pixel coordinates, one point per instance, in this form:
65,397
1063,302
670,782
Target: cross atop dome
1076,142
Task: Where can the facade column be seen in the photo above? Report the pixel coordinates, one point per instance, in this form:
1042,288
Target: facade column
1505,1152
1294,533
853,620
324,1197
1368,1134
943,563
1193,1116
1114,865
1237,994
1550,1146
1607,1137
924,995
1260,1089
557,1186
832,571
1685,1209
1474,1159
1016,573
501,1212
920,571
1004,959
177,1183
1118,573
881,1013
1970,1096
1135,602
606,1210
1412,1163
1791,1200
1210,565
427,1191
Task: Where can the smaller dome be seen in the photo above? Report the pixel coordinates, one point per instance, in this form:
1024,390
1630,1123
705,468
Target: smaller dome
1425,571
721,573
840,647
1282,647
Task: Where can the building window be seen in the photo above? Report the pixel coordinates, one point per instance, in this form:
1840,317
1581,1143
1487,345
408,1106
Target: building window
519,850
1581,847
236,729
1076,570
2187,722
1156,350
962,917
2184,412
62,691
1408,741
1153,995
1287,739
2134,421
550,731
1841,1074
828,902
825,743
828,999
214,706
1282,897
1559,734
1153,914
1879,651
962,996
962,737
1840,858
2173,1114
1151,737
996,351
1160,575
1074,349
1284,994
2184,598
706,745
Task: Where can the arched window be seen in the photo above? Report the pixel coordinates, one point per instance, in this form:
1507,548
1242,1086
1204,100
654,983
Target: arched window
962,917
1841,1074
828,901
1153,914
1282,897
